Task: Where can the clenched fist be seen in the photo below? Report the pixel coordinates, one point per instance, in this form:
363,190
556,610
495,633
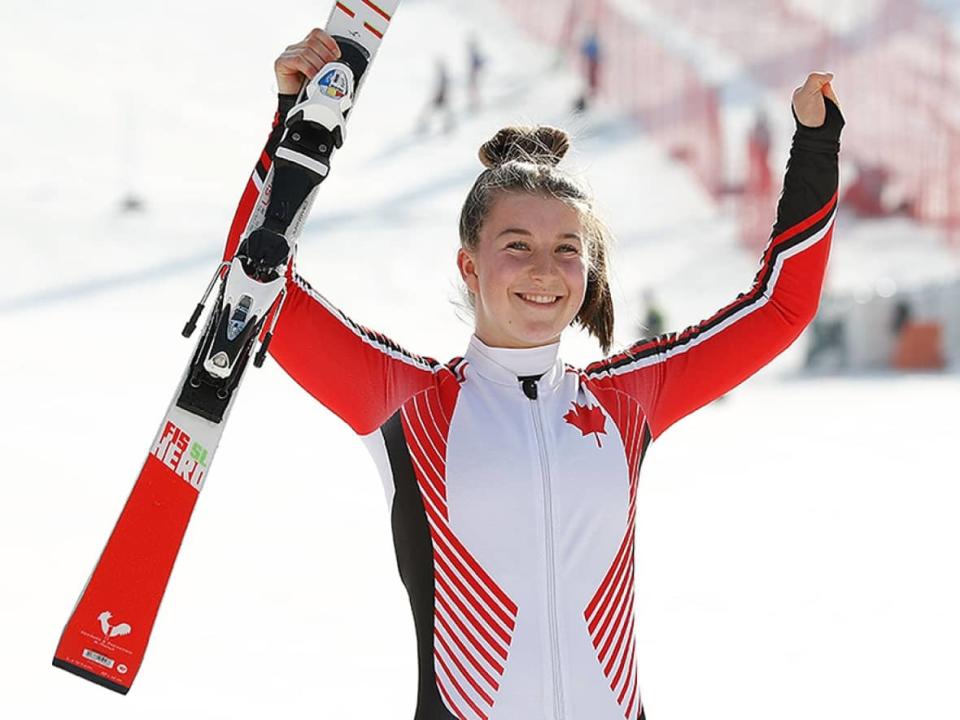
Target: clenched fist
808,99
302,60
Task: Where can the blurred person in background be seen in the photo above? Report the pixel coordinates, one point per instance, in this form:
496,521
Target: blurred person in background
759,176
758,189
827,348
439,103
865,195
591,58
476,61
653,317
511,475
901,316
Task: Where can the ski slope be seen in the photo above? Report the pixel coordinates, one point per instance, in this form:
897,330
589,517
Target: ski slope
795,542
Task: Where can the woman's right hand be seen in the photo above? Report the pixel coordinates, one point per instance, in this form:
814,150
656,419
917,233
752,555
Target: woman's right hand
302,60
808,101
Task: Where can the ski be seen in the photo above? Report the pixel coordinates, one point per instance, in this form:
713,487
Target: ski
106,635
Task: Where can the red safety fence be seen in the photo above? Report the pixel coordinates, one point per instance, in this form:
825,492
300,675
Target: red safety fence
902,94
895,78
659,88
895,70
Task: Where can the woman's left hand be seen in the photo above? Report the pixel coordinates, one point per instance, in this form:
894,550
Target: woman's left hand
808,99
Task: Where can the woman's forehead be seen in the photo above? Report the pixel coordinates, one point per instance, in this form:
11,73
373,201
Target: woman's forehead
529,210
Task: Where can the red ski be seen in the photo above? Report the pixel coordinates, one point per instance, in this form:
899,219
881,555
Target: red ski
106,637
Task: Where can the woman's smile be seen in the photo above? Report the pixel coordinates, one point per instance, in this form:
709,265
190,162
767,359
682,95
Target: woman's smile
539,300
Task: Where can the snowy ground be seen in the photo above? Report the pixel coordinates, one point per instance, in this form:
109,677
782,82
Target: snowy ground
801,563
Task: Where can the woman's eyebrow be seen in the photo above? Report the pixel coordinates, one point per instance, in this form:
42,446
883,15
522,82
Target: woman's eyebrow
527,233
515,231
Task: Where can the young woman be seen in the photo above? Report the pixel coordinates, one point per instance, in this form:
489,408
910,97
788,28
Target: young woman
511,475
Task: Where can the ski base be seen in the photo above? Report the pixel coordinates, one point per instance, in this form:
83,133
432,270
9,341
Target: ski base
92,677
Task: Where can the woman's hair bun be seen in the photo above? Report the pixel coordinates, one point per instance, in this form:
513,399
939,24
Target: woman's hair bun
540,144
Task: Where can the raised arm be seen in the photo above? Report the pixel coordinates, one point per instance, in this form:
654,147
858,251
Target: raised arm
676,373
359,374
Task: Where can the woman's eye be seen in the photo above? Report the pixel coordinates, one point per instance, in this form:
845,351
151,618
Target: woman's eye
522,245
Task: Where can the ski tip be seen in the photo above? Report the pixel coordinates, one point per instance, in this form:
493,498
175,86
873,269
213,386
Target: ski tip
92,677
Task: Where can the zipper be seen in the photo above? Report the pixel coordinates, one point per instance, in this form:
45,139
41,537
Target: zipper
529,383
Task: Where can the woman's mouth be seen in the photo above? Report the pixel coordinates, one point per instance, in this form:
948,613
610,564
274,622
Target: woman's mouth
538,299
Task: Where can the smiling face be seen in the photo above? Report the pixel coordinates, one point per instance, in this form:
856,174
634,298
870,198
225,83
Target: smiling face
528,274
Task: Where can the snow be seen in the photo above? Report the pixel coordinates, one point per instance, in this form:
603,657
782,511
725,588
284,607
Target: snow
795,542
893,250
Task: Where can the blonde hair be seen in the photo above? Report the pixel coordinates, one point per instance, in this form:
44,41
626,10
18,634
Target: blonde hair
524,159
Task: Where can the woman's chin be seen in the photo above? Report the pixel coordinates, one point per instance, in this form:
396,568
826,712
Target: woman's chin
537,333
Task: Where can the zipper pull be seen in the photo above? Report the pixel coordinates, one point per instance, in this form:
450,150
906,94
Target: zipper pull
529,384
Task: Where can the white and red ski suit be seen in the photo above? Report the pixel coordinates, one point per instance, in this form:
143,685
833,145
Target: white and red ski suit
512,476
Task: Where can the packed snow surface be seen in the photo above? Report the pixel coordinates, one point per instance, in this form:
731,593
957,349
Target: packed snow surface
796,542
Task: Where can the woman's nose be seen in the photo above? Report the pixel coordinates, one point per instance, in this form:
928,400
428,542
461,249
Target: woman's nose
542,264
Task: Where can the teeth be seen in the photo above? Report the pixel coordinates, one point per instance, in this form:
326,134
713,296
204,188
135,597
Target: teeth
543,299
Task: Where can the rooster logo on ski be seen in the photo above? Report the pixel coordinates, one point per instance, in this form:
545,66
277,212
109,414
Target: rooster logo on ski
109,630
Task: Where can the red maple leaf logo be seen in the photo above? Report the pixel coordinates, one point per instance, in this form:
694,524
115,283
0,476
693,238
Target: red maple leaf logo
587,419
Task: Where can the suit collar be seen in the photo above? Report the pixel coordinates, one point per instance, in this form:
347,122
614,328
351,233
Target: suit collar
506,365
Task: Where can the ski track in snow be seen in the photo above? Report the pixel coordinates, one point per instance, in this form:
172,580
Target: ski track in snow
795,541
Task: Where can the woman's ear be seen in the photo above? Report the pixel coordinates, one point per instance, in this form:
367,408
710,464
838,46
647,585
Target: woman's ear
468,270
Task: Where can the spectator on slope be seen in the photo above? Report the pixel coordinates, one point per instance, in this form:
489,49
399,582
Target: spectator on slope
591,57
754,202
653,319
476,61
759,176
439,103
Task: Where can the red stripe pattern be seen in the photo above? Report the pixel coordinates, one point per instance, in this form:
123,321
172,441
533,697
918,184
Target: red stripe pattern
609,615
345,9
378,10
474,619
